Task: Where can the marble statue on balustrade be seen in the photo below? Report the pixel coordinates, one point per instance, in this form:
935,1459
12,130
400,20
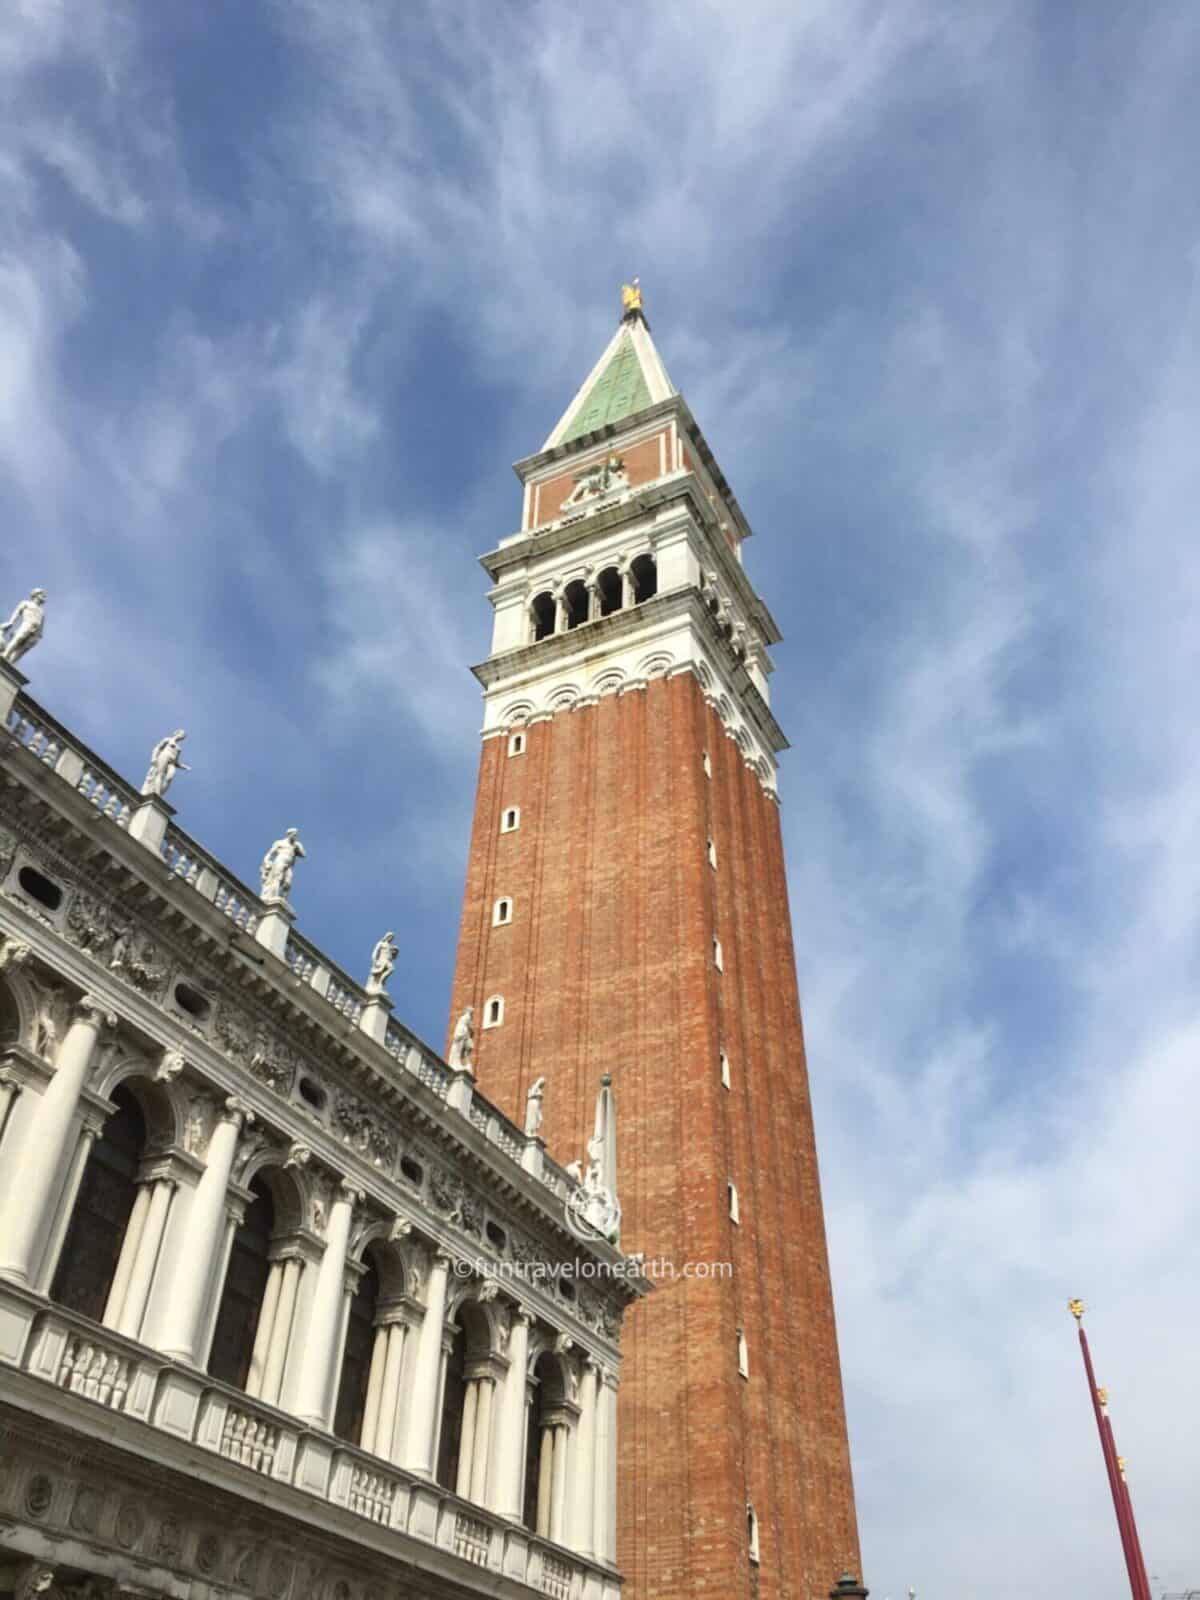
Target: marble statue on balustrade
279,864
383,963
24,628
165,762
533,1108
462,1042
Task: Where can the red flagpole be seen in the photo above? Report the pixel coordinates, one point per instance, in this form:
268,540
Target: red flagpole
1139,1584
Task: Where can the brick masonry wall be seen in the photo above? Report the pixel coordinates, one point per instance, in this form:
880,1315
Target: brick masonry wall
608,966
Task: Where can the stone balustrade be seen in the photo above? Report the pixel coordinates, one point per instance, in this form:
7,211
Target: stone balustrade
187,1410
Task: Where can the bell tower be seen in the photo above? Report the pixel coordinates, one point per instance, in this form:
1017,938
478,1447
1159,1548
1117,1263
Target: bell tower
626,913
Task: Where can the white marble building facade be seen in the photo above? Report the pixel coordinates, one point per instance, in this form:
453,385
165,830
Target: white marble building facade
286,1308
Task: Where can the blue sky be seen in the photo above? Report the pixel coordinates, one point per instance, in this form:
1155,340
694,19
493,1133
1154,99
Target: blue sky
285,288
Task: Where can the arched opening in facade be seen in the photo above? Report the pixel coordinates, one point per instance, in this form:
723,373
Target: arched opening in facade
244,1288
357,1354
546,1445
575,601
542,610
469,1407
608,586
644,573
87,1265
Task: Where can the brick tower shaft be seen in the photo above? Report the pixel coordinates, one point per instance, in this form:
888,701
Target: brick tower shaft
626,912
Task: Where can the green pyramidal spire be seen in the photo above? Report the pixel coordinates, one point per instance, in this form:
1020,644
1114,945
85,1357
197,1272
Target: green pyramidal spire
628,377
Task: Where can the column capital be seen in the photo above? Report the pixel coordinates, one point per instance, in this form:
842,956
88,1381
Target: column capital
94,1011
238,1112
349,1191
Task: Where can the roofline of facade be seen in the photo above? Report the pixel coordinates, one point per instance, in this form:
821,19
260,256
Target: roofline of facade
258,969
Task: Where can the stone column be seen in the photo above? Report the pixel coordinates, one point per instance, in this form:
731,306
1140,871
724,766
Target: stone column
626,588
558,1491
274,1335
509,1482
212,1306
8,1093
37,1165
325,1313
389,1399
606,1468
545,1481
583,1489
133,1308
89,1132
423,1419
481,1444
201,1249
593,594
560,612
370,1423
129,1249
466,1443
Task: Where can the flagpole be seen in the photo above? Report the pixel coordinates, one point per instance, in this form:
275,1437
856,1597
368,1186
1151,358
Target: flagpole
1114,1465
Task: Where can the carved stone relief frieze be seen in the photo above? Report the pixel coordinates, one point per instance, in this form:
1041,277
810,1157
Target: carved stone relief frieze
90,925
363,1131
137,959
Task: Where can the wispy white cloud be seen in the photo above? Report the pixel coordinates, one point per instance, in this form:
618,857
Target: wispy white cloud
927,276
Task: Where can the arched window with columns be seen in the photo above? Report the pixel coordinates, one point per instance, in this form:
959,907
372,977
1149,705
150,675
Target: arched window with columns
112,1245
470,1404
357,1352
547,1443
258,1305
87,1265
373,1394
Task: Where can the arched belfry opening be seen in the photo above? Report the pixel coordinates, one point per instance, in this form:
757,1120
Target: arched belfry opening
575,603
644,573
542,614
608,589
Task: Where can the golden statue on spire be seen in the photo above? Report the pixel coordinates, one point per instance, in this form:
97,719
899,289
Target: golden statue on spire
631,298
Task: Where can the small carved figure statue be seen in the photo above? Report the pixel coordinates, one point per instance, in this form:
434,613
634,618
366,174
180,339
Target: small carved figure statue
533,1108
24,628
164,764
604,477
462,1042
383,963
279,864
